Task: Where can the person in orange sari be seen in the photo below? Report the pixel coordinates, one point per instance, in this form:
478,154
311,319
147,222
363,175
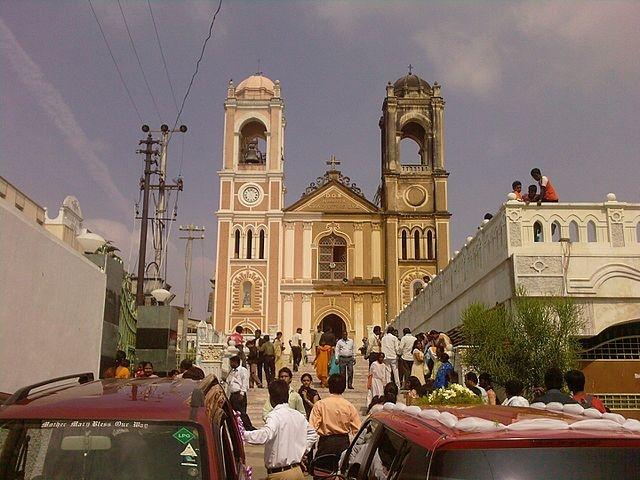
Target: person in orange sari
323,356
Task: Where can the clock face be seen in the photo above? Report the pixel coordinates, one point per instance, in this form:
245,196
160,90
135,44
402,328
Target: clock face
251,195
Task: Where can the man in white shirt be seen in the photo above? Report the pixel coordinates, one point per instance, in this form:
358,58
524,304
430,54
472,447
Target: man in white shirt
389,345
405,350
374,344
237,388
345,352
282,436
296,348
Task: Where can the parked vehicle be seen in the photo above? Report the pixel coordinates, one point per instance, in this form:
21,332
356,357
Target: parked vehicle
490,443
73,427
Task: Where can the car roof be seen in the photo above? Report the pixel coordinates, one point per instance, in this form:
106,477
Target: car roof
431,433
135,399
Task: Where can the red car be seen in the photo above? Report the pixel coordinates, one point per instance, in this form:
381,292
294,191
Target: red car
73,427
491,443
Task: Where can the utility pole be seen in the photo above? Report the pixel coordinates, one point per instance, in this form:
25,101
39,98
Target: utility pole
190,229
146,186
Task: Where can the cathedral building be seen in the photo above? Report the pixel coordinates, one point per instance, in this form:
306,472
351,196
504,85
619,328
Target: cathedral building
333,257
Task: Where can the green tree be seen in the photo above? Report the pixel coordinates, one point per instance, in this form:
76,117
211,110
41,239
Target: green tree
523,340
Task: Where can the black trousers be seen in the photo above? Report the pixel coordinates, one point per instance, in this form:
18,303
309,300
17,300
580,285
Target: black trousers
269,364
405,370
297,357
331,444
239,403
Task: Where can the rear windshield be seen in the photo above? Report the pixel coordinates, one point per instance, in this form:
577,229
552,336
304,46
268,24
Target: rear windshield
580,463
100,450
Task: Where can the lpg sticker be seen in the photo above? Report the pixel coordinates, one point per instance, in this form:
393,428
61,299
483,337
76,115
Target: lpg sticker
188,451
184,436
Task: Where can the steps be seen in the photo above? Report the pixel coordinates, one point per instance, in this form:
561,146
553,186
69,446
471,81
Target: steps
258,396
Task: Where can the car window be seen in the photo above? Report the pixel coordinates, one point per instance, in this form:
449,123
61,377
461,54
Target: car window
386,449
358,450
574,463
414,464
100,449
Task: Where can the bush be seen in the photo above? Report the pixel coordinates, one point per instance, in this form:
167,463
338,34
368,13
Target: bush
523,340
455,394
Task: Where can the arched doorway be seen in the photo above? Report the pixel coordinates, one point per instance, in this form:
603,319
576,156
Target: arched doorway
335,322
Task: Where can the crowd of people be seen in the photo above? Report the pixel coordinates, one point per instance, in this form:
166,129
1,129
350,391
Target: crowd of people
144,369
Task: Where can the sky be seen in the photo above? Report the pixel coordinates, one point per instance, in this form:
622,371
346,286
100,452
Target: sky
526,84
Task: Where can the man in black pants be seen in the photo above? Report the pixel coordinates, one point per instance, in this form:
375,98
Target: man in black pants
237,388
259,342
296,348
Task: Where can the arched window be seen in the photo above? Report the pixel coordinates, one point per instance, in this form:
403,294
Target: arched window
249,243
574,234
416,244
538,235
261,245
332,258
413,145
253,143
555,231
431,245
236,245
404,245
591,232
246,294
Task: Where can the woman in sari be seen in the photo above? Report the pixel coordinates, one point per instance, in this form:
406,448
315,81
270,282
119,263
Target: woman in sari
325,352
417,369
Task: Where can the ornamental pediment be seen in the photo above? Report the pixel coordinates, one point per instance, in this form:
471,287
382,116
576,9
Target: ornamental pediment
333,198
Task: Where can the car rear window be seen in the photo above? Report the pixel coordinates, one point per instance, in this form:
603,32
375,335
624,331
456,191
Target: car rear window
100,450
580,463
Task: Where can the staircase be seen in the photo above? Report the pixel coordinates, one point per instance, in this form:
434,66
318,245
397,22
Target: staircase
258,396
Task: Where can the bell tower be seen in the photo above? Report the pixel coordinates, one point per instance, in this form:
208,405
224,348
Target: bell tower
251,204
413,194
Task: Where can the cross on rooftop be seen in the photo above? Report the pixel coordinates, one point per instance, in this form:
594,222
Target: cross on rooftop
410,67
333,162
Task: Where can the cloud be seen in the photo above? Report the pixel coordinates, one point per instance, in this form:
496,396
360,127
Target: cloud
54,105
119,234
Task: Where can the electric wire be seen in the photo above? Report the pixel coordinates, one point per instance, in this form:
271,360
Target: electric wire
124,84
186,95
133,46
164,60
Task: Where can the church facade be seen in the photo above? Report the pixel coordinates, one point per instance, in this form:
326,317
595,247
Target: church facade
333,257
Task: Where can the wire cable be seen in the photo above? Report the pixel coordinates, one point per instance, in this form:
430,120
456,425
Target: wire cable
124,84
133,46
186,95
164,60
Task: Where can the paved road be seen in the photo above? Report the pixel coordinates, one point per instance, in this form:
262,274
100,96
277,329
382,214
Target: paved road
257,397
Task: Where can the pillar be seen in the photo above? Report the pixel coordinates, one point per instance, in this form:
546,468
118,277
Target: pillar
306,250
359,250
358,309
289,241
287,320
375,251
307,327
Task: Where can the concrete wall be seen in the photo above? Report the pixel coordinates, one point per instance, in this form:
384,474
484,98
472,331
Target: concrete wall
51,305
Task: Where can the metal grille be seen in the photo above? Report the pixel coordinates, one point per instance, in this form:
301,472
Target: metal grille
332,258
620,401
627,348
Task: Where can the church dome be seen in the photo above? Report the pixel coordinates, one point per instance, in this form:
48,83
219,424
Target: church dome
256,84
410,83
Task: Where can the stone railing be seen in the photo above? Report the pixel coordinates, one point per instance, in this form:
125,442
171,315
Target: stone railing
415,168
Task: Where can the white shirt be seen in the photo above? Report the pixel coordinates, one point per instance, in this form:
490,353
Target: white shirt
238,380
345,348
516,401
485,397
406,347
296,340
281,436
389,346
374,344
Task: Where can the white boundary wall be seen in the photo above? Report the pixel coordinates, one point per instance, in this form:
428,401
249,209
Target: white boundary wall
51,305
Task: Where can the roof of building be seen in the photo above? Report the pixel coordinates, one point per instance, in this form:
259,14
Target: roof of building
410,83
135,398
256,82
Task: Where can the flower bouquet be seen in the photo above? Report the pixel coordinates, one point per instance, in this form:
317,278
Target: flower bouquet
454,394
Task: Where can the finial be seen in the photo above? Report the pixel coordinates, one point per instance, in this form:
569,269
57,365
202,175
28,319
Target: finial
410,67
259,72
333,162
